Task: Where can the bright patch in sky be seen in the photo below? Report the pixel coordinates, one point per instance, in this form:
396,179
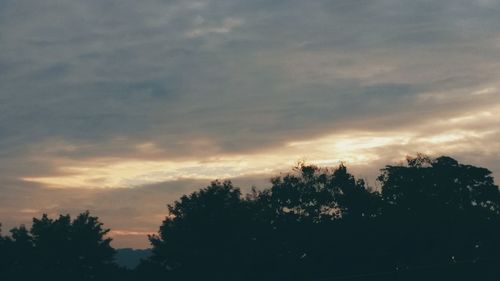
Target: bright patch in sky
356,149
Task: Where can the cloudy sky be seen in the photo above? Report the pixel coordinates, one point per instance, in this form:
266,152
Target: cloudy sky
121,106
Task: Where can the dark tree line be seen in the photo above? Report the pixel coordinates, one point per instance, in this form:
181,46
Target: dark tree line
58,249
431,219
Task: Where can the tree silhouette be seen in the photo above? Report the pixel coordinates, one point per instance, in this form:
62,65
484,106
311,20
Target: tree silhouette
59,249
435,186
204,235
310,211
19,254
431,216
437,211
432,219
281,232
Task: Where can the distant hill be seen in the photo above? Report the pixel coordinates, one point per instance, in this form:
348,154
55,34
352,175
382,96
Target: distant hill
130,258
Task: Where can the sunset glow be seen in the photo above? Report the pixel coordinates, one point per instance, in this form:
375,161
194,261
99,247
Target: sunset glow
121,107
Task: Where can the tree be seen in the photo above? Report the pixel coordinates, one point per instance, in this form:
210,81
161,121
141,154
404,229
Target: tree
433,219
430,216
319,194
438,185
312,210
18,255
204,236
440,211
60,249
284,232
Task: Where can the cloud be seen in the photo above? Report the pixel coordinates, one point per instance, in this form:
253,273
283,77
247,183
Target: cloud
226,27
364,150
131,213
126,93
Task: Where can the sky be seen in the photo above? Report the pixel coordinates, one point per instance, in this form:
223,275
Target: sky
122,106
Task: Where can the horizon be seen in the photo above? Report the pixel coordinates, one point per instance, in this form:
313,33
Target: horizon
137,238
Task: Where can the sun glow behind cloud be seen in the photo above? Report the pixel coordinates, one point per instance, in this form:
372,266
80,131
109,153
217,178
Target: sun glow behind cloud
357,149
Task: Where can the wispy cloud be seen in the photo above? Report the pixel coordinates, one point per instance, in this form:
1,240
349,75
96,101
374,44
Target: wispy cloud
227,25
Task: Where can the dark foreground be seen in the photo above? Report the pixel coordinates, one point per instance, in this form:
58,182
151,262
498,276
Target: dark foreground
431,219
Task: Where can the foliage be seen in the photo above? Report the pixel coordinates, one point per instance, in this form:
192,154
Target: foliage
432,219
315,223
440,211
59,249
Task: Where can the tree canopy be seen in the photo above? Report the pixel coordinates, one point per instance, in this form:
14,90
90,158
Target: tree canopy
313,223
58,249
430,219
